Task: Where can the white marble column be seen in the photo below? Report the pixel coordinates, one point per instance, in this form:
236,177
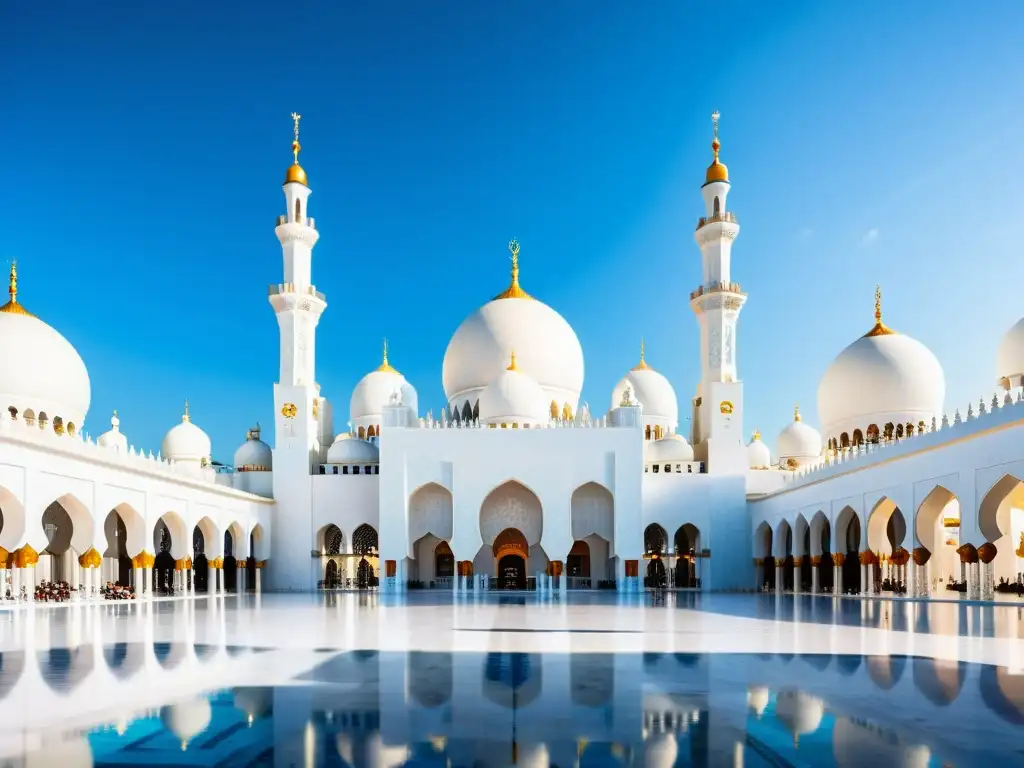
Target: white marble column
780,571
259,579
837,579
815,576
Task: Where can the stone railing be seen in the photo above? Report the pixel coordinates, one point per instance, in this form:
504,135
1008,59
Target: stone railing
430,422
997,413
83,446
724,216
719,287
281,288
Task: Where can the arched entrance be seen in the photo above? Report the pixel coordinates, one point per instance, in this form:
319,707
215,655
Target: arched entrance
365,546
510,553
230,563
657,576
331,575
200,565
163,565
120,571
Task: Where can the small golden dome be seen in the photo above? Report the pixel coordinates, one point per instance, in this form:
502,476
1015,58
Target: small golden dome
12,307
296,173
880,328
385,366
717,170
514,291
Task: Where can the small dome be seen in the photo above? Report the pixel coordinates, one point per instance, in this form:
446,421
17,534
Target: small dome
254,702
672,449
757,699
347,449
654,392
297,174
882,378
1010,358
800,712
799,444
758,454
478,352
254,455
376,389
513,398
717,170
42,372
113,438
186,442
187,719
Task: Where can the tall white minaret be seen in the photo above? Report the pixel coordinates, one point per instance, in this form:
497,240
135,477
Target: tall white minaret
718,407
297,402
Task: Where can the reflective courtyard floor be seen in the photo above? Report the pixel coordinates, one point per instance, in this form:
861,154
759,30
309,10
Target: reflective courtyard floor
589,680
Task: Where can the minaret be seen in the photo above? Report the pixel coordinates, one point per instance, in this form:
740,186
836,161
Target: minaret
717,303
299,413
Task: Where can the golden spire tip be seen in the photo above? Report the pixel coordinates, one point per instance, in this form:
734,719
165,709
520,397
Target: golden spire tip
12,286
296,147
185,417
796,412
878,303
512,364
385,350
514,291
642,365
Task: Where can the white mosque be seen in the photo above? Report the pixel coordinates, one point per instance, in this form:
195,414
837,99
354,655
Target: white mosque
516,483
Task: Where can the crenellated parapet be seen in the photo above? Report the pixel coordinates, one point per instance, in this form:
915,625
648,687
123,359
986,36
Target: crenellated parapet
997,413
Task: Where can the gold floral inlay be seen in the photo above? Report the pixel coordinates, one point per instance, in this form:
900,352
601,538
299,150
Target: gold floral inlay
880,329
26,557
12,306
289,410
514,291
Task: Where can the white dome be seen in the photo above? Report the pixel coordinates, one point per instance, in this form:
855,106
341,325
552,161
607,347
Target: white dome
883,377
758,454
654,392
757,699
1010,357
42,372
671,449
186,441
799,444
376,389
513,398
113,438
187,719
547,349
347,449
254,455
800,712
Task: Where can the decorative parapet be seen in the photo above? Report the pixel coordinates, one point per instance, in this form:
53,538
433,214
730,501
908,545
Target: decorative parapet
291,289
719,287
81,445
998,413
722,216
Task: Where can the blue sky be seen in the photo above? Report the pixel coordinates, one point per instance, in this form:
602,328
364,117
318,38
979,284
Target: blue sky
867,143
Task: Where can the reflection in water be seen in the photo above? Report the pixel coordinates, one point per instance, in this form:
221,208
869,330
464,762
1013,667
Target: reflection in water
474,710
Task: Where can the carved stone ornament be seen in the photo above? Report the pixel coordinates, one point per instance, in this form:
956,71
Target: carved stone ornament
714,348
289,410
627,397
733,304
305,306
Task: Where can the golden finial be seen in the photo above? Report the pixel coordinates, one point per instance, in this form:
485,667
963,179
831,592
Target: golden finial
12,306
514,291
385,366
757,435
880,328
512,364
642,365
796,412
295,171
716,171
185,417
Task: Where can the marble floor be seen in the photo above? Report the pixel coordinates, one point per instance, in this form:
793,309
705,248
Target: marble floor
586,679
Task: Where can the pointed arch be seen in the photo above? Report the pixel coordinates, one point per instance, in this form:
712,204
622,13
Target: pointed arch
181,540
801,535
763,540
592,512
256,536
655,540
81,520
939,680
821,534
847,533
511,504
431,511
783,540
993,512
330,540
211,537
939,504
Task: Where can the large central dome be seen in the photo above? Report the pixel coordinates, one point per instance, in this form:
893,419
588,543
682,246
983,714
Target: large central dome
545,345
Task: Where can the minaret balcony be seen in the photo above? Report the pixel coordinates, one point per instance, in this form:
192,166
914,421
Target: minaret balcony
722,216
309,222
719,287
293,289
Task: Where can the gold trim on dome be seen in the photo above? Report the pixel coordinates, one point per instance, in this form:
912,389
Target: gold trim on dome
12,307
642,365
717,171
756,436
514,291
295,171
880,329
385,366
512,363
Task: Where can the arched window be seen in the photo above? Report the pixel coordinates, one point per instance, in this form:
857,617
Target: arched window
658,432
889,430
554,410
858,437
668,468
332,540
655,539
371,432
647,432
566,413
844,440
13,411
364,540
467,412
58,425
717,206
362,433
298,211
873,433
899,431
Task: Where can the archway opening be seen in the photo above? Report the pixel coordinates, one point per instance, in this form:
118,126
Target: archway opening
200,565
848,528
687,549
230,563
1001,521
511,551
163,563
656,576
330,543
117,563
577,565
764,553
592,513
365,546
444,562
